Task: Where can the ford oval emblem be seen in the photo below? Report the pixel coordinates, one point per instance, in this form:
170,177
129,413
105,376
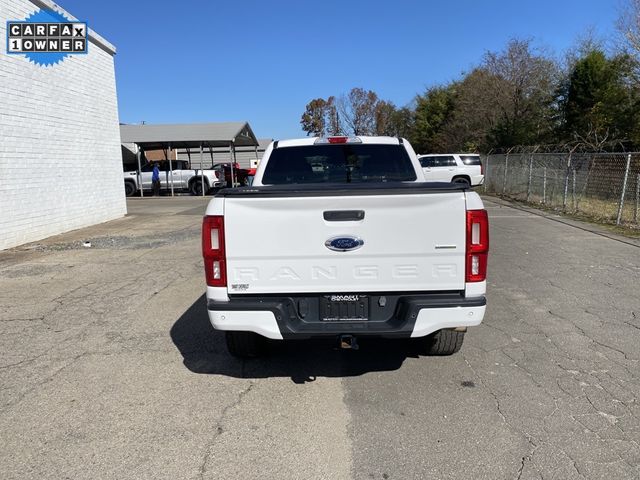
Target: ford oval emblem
343,243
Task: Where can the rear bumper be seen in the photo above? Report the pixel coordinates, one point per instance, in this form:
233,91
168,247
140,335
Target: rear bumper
390,316
477,180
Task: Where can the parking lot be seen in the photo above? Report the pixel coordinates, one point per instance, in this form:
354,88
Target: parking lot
110,369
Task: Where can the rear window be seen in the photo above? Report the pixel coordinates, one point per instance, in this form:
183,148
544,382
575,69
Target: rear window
343,163
470,159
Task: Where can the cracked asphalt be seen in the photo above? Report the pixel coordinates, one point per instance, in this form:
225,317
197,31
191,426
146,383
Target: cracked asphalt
109,368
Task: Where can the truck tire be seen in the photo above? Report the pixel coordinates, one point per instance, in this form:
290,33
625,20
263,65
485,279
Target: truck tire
444,342
245,344
195,187
129,189
462,181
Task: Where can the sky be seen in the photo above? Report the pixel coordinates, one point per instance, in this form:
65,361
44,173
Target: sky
194,61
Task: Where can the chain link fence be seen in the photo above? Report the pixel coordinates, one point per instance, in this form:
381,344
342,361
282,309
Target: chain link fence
602,186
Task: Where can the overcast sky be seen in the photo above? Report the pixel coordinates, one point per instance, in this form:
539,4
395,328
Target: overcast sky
262,61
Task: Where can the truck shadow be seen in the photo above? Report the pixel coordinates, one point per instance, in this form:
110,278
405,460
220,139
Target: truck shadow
203,350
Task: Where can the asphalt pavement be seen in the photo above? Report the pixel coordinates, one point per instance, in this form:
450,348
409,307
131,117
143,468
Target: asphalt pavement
109,368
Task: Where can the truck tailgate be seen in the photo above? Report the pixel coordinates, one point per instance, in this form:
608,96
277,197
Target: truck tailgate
411,242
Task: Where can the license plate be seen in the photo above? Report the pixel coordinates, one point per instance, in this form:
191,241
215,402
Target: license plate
344,308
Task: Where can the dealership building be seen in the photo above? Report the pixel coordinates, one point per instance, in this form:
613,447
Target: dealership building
60,153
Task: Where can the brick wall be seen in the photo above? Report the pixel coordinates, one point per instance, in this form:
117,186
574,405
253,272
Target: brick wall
60,156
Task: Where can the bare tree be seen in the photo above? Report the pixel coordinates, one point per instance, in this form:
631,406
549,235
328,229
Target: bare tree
385,118
585,43
594,139
357,110
629,27
360,112
334,126
524,92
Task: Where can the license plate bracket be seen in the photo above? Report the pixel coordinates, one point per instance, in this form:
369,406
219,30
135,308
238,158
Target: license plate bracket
344,308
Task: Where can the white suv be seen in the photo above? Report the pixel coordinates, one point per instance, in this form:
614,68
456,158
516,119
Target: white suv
454,167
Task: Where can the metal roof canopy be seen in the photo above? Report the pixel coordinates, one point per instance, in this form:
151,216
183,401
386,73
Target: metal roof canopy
185,135
188,135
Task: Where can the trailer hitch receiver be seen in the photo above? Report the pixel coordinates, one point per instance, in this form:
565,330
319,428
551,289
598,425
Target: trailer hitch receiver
348,342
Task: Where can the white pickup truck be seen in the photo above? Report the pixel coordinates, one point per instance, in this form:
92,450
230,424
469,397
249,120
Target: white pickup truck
342,237
178,173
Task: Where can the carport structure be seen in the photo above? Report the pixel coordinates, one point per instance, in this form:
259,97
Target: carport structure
188,136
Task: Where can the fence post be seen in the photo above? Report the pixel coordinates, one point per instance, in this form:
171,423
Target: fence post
544,185
486,173
624,190
566,183
530,174
504,177
139,170
573,190
635,212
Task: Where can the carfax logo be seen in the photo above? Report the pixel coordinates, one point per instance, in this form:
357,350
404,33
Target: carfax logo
46,37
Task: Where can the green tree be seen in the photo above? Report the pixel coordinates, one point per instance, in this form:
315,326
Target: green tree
313,119
505,101
402,122
598,101
475,113
321,118
393,121
432,110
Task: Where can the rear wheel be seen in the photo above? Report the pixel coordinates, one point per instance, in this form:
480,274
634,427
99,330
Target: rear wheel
196,187
245,344
443,342
129,189
462,181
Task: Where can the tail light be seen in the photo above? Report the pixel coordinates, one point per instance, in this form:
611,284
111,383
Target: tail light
213,250
477,245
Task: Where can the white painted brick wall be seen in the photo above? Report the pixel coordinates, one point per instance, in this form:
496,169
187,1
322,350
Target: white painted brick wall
60,159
